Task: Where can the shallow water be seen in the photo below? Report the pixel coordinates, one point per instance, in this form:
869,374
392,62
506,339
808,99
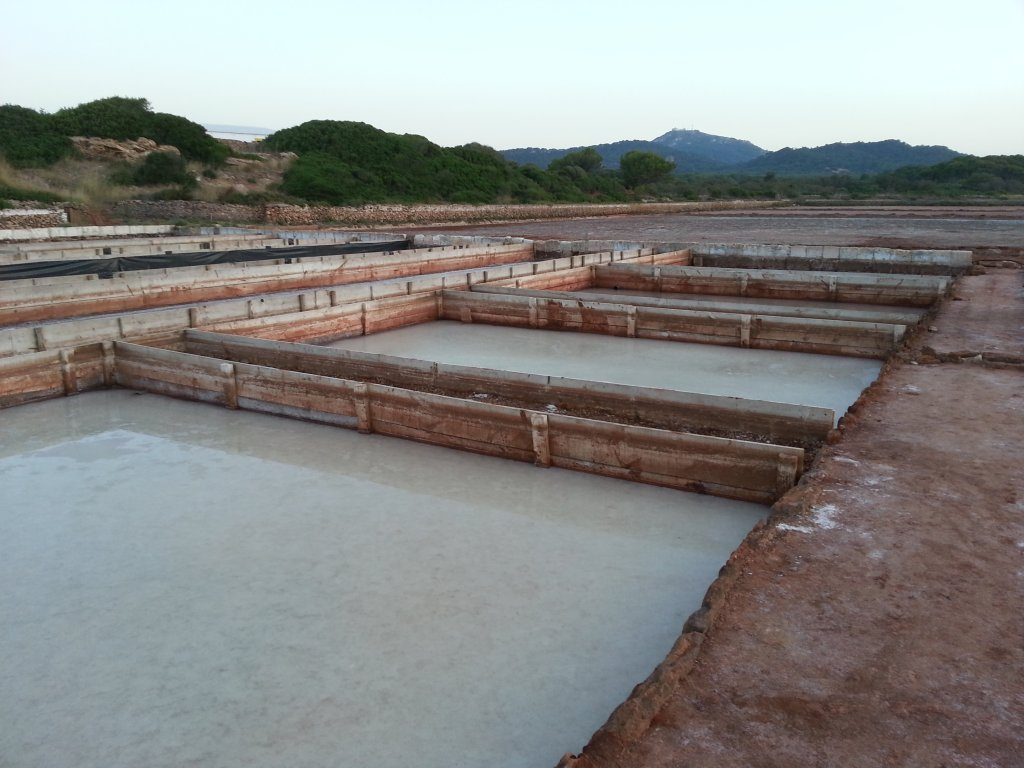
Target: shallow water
185,585
787,377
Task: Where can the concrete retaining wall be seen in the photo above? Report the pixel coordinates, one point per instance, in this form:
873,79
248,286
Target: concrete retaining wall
250,314
57,232
896,290
732,468
62,297
829,337
832,258
663,409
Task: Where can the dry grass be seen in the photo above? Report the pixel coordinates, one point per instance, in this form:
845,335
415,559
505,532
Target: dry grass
88,181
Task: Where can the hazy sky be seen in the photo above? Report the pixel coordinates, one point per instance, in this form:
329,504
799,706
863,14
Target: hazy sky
550,73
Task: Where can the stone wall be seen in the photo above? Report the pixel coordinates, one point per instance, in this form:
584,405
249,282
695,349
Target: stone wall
29,214
396,215
186,210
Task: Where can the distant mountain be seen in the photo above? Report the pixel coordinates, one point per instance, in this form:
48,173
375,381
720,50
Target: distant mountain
718,149
857,157
686,162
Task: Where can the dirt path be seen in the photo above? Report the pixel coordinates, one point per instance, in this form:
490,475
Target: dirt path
882,622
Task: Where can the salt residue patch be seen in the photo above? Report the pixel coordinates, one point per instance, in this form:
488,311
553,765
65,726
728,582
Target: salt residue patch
824,516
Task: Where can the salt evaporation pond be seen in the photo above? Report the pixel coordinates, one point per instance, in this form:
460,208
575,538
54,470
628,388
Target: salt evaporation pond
188,585
827,381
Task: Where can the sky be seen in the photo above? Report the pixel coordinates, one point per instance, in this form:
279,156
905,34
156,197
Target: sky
550,74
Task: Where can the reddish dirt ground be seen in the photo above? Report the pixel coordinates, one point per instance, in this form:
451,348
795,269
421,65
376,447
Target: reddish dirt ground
878,620
795,226
888,211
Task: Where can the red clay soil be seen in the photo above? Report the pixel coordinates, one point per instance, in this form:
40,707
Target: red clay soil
886,211
878,619
986,318
788,226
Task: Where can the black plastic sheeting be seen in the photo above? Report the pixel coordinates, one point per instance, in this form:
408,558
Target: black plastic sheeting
107,267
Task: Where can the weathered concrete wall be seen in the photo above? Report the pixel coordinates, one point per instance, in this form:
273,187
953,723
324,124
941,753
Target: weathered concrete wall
254,315
832,258
658,408
57,232
732,468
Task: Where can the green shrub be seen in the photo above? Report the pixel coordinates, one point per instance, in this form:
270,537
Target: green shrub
644,168
9,192
29,139
347,163
32,139
155,169
183,192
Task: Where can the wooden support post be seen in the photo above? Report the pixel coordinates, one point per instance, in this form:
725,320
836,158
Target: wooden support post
541,439
631,321
466,315
745,330
534,322
67,372
364,417
193,317
230,385
440,304
334,298
833,288
108,364
785,476
744,281
307,302
40,341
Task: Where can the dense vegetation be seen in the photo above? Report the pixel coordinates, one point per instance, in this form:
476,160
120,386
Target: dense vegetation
348,163
35,139
857,157
996,176
640,168
29,138
611,154
695,152
157,168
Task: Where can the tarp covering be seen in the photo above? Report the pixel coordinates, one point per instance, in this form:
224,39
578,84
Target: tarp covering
107,267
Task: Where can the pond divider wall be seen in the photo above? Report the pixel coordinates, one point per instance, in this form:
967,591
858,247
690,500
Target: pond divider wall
737,469
60,297
833,337
833,258
663,408
880,314
899,290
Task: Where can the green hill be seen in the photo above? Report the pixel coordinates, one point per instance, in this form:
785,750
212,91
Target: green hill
721,150
349,163
36,139
686,162
990,175
856,158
